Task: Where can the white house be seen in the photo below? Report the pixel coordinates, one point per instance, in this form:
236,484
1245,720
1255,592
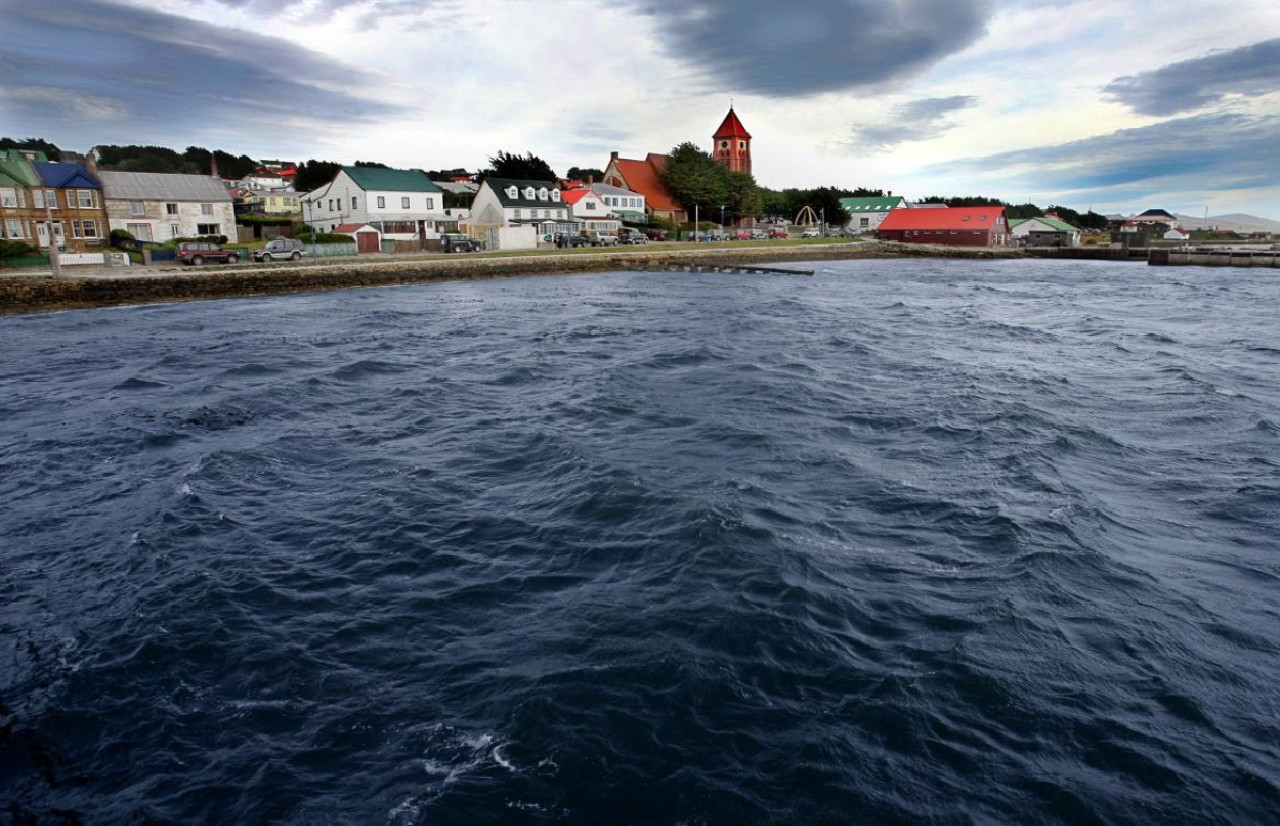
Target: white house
403,205
866,214
1045,231
590,211
158,206
625,203
504,202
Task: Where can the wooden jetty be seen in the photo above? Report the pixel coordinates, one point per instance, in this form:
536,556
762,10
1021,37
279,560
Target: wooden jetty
1213,258
750,269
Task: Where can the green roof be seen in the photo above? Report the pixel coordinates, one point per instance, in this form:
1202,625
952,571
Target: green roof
1059,225
883,204
16,169
371,178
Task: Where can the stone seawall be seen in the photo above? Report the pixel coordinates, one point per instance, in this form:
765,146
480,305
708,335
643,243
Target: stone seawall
105,288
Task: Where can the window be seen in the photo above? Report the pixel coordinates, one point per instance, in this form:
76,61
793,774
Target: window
529,194
90,229
137,208
13,228
542,194
51,198
353,203
170,209
207,229
175,230
382,202
12,197
206,209
331,205
404,202
742,144
37,198
555,195
515,213
431,203
339,205
590,205
87,199
512,192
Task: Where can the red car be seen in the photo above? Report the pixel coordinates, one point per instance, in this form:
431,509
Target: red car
198,252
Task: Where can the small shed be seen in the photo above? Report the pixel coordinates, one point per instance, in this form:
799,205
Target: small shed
368,239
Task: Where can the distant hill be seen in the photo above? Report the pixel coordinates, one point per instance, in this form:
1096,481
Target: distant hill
1236,222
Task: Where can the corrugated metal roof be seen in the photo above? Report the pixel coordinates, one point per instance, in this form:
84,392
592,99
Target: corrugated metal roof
979,218
872,204
162,186
374,178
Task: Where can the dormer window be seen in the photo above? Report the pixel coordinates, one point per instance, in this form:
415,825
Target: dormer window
529,193
982,217
512,192
555,195
542,194
965,218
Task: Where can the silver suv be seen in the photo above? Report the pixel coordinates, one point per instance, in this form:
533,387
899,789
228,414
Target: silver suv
280,249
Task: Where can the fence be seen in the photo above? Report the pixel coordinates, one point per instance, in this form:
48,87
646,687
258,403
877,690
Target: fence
329,250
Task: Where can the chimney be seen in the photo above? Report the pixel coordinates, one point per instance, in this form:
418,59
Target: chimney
213,164
613,156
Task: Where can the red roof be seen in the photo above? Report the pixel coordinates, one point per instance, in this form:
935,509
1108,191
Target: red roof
947,218
572,196
731,128
642,177
347,229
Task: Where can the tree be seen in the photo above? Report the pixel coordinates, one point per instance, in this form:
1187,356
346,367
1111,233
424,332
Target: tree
578,174
522,168
696,181
314,174
50,151
372,165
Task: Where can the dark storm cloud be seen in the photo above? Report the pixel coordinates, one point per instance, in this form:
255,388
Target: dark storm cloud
917,120
1206,152
795,49
1194,84
89,67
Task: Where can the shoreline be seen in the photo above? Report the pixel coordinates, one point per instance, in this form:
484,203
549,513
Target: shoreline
27,293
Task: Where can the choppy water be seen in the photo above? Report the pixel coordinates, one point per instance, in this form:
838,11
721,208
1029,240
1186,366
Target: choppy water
905,542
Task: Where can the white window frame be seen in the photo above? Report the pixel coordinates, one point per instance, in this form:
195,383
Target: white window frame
206,209
137,209
14,228
404,202
382,202
13,197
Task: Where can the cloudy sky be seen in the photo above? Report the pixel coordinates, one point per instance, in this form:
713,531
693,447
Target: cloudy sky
1111,105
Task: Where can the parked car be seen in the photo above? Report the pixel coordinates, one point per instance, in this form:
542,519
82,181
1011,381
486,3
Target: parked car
656,234
777,232
811,232
627,235
196,253
603,239
572,240
280,249
457,242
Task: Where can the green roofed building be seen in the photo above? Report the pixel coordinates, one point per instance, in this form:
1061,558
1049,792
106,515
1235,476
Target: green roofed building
865,214
1044,232
402,204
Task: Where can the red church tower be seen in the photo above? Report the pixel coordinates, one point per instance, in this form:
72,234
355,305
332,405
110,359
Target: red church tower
732,144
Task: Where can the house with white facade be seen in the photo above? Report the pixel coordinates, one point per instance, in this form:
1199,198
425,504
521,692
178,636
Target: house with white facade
402,204
1045,231
159,206
866,214
627,204
590,211
503,202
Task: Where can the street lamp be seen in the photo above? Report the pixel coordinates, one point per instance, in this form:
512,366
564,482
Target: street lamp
722,219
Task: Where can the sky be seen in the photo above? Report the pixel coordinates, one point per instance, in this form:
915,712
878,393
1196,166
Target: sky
1108,105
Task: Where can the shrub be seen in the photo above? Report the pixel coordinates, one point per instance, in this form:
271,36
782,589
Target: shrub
16,249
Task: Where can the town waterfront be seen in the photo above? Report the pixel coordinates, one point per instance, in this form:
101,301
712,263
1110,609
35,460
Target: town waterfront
911,540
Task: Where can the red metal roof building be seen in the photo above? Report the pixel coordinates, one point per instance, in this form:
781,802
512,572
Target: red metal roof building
643,177
953,226
731,144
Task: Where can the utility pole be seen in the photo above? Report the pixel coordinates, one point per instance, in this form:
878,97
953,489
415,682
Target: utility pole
54,263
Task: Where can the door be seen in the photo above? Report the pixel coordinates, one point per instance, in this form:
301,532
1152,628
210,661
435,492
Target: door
367,242
42,234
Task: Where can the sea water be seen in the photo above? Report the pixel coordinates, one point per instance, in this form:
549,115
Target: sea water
911,541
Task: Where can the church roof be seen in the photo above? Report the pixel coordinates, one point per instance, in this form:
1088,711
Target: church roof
642,177
731,128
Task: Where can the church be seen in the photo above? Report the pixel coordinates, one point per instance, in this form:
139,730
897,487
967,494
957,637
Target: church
730,147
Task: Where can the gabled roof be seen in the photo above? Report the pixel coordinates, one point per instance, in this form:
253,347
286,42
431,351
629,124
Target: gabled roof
873,204
501,185
572,196
731,128
370,178
946,218
642,177
610,189
16,169
162,186
1154,213
1056,224
66,176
